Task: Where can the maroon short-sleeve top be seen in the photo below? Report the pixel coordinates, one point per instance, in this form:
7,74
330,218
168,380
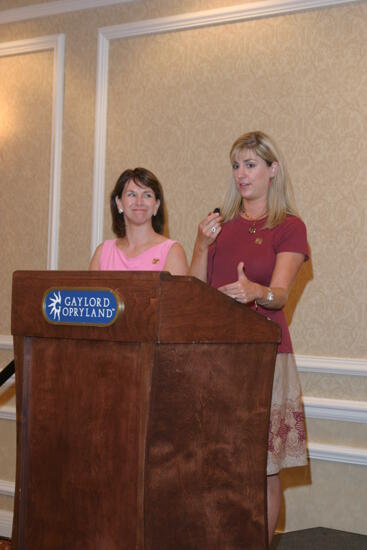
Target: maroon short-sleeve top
258,251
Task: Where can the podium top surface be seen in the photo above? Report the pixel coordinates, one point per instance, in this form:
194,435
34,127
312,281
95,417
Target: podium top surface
139,306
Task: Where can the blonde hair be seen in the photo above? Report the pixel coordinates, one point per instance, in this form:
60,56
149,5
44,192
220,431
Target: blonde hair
280,196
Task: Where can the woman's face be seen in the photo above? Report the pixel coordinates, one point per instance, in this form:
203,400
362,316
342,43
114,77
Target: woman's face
138,203
252,175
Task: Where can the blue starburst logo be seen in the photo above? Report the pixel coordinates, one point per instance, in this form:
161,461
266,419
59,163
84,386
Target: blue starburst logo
54,306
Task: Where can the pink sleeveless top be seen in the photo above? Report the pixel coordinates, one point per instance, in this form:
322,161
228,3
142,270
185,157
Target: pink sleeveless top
153,259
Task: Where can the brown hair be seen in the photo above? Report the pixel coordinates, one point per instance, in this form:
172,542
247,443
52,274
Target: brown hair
143,178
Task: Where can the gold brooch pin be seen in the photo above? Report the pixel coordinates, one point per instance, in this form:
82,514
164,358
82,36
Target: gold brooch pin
258,240
155,261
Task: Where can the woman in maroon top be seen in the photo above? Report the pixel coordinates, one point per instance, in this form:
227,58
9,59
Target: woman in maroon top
252,252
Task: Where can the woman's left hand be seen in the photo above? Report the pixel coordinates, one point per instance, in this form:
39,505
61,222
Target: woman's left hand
243,290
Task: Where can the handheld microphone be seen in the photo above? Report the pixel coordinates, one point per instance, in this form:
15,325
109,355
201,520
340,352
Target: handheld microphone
216,211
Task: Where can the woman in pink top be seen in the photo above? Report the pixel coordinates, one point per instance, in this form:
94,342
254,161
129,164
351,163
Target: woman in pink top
137,208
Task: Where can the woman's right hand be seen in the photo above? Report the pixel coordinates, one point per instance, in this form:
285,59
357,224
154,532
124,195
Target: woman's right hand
209,229
205,237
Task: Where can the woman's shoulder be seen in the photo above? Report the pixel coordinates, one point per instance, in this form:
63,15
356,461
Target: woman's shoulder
290,222
109,242
176,261
289,225
291,236
167,241
293,219
106,245
174,246
99,252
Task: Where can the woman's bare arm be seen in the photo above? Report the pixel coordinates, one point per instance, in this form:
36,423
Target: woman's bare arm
176,262
243,290
94,263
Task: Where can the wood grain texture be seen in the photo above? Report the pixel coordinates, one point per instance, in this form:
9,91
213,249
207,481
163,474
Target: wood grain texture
207,443
132,436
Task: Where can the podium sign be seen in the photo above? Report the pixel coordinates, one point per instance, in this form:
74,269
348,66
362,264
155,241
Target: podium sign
80,306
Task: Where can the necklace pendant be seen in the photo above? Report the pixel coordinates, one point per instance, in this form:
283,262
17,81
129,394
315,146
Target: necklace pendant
252,229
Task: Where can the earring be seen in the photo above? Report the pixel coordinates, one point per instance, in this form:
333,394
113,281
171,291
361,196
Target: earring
121,211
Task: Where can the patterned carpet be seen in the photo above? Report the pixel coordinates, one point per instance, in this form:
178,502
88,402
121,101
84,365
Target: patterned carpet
5,544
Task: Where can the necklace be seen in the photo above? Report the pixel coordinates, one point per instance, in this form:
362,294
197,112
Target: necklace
252,229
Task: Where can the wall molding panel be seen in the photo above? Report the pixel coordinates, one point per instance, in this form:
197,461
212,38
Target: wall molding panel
337,453
218,16
53,8
57,7
100,141
55,43
186,21
316,451
305,363
341,410
331,365
318,408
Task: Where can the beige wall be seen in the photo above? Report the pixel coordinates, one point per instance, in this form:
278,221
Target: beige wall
25,135
176,102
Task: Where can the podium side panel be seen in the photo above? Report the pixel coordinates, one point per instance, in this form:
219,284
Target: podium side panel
83,444
207,447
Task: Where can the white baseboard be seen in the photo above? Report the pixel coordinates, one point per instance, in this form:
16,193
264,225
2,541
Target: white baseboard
331,365
6,341
315,407
341,410
305,363
337,453
316,451
8,413
6,523
322,409
7,488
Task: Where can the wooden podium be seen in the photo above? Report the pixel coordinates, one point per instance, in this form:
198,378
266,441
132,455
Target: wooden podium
149,433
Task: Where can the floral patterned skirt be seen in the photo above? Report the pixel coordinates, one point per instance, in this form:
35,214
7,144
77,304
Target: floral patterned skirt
287,434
